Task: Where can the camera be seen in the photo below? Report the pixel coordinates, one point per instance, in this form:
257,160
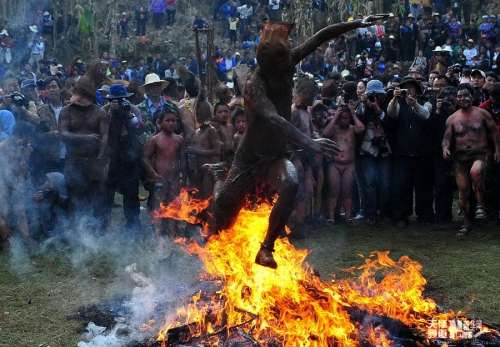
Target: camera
18,99
125,105
404,93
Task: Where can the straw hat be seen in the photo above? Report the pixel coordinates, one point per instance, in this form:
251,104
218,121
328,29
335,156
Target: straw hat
33,28
153,78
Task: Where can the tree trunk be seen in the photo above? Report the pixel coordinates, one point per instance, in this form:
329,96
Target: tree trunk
114,27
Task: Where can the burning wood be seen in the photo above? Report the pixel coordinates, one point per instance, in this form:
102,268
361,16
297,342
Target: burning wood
381,305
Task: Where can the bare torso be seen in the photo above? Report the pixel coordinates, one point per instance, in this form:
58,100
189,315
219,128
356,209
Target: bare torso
204,139
166,154
225,132
346,140
261,140
470,131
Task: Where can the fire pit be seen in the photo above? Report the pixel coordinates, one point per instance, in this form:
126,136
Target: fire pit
382,303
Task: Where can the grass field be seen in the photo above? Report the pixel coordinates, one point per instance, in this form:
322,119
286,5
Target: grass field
462,275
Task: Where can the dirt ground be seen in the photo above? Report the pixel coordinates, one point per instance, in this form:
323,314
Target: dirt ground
37,298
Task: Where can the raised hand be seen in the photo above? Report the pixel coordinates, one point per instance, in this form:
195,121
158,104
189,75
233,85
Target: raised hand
370,20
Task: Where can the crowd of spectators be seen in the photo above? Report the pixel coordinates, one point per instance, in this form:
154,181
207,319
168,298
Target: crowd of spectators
413,103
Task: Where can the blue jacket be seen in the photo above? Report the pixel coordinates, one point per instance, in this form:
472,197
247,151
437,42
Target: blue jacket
7,124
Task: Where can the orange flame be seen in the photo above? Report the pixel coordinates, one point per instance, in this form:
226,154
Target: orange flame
291,304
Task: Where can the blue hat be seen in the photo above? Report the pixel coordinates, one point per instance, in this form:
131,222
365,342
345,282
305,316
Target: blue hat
375,87
118,91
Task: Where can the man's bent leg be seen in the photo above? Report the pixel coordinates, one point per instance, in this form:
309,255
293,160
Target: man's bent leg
477,173
283,176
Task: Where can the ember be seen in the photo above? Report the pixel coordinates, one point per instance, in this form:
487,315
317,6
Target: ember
291,306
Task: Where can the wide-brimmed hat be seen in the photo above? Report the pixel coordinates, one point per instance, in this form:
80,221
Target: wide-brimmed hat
478,72
153,78
375,87
118,91
410,80
33,28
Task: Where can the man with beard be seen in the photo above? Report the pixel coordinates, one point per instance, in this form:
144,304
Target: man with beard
470,131
83,127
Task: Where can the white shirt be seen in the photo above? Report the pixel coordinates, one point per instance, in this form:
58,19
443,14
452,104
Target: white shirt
469,53
274,4
245,11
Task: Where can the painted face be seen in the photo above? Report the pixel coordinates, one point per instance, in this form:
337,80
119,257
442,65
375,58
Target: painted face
464,99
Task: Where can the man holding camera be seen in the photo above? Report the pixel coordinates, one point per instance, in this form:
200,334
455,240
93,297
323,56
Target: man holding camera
412,171
125,152
375,153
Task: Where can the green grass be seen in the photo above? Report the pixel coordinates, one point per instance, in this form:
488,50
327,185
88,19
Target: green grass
461,275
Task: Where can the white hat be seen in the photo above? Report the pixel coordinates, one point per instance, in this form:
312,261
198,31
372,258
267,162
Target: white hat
437,49
46,13
153,78
4,32
345,73
33,28
447,48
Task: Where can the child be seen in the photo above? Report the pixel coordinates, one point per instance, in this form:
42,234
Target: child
239,120
206,147
224,130
342,129
163,154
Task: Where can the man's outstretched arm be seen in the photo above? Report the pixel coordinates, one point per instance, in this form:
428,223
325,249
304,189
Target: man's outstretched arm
259,103
329,33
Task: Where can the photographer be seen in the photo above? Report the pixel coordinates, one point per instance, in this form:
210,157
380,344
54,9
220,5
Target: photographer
17,103
125,152
443,188
412,169
375,153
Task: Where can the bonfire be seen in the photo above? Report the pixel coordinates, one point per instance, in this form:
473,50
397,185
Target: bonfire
381,303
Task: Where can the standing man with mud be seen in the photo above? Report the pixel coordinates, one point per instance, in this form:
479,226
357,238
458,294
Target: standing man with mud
83,128
262,157
470,133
